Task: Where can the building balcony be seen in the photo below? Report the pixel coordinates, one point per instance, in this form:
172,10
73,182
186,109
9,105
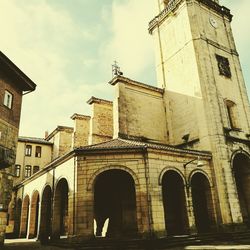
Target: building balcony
7,157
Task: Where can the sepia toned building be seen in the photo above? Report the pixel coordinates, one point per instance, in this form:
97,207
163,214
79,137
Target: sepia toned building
13,85
156,161
33,154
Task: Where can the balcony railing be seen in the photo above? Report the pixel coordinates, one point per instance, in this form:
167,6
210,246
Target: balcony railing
7,157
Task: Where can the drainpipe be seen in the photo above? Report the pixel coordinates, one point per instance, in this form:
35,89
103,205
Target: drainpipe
146,167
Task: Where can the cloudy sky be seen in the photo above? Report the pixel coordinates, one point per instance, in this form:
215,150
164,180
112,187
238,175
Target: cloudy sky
67,47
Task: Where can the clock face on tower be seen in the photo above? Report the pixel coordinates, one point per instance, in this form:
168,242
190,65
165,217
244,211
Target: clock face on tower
213,22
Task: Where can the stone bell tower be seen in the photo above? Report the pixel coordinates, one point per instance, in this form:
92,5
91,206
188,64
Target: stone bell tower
205,95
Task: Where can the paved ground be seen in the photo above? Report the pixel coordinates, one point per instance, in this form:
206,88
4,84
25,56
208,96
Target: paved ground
23,244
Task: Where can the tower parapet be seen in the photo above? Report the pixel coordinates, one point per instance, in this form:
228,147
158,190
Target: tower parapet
168,7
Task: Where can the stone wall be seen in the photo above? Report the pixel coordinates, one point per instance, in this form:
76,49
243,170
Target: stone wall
61,138
139,111
9,123
81,130
101,122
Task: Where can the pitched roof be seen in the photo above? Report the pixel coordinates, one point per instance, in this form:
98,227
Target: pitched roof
21,80
34,140
119,144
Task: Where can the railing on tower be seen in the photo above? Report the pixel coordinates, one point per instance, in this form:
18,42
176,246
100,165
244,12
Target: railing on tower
173,4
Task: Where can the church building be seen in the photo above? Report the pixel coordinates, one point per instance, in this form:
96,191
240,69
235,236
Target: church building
155,161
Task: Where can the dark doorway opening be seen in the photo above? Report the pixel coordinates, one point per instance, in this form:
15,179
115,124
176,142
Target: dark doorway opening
202,203
241,168
45,221
174,201
115,199
60,210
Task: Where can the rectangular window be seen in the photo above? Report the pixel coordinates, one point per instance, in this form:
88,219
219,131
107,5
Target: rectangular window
223,66
8,98
231,113
17,170
28,150
38,151
35,169
27,172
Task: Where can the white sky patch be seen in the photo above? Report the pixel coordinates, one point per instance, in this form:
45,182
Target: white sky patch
131,45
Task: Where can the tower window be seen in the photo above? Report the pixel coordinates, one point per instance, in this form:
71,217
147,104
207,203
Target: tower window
27,172
8,97
231,113
28,150
17,170
38,151
223,66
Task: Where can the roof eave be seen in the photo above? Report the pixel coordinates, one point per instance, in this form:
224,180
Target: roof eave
26,83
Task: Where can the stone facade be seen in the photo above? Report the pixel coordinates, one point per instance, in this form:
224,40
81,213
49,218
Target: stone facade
166,160
13,83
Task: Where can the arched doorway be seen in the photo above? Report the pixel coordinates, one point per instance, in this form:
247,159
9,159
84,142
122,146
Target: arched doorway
18,214
34,213
174,202
45,220
241,168
25,217
115,199
60,209
202,203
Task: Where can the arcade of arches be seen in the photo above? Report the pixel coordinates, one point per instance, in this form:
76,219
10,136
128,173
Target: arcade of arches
117,205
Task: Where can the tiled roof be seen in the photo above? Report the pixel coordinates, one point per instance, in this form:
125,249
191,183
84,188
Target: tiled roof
134,144
34,140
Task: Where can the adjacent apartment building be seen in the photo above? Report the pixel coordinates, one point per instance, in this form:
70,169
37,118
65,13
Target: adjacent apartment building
32,155
13,85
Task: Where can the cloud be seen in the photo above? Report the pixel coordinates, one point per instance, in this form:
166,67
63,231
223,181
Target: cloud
37,39
130,44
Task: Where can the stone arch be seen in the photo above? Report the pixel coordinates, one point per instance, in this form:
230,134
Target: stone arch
34,214
239,151
171,169
201,172
45,220
91,181
202,200
60,209
241,171
25,217
174,203
115,200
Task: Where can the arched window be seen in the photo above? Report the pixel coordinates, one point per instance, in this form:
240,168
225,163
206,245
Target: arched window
231,114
